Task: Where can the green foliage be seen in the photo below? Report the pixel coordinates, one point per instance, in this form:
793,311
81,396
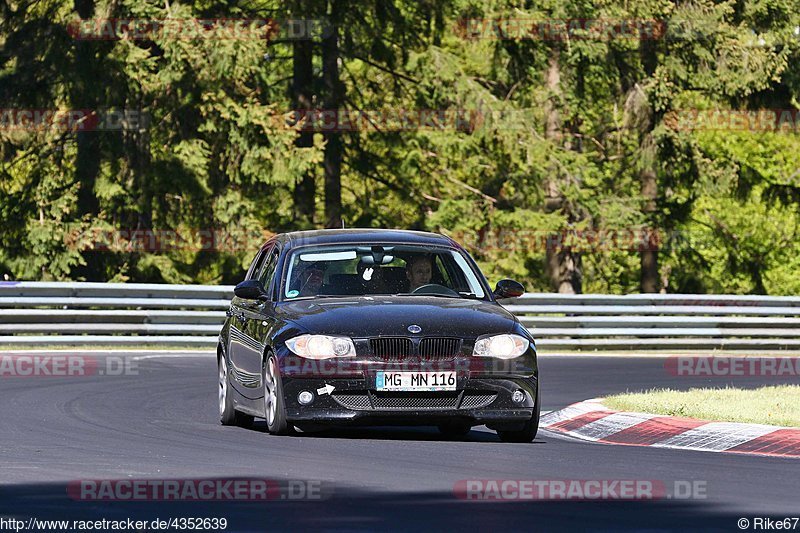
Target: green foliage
218,155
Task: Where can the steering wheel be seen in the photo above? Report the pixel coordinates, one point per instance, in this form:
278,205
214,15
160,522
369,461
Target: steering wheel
435,288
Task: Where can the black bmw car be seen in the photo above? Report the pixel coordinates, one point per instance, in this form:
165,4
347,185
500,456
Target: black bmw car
353,326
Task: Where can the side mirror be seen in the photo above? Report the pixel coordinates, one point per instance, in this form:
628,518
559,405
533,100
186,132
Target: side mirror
508,288
251,289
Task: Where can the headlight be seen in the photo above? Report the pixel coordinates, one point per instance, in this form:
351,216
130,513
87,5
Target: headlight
321,346
501,346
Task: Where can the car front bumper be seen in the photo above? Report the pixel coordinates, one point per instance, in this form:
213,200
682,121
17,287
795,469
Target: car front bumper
477,400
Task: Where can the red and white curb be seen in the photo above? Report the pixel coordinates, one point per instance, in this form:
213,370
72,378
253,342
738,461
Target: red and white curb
593,421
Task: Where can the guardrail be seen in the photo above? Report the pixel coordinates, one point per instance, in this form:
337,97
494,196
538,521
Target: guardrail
37,313
41,313
660,321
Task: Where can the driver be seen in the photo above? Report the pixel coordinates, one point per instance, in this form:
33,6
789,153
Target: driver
418,271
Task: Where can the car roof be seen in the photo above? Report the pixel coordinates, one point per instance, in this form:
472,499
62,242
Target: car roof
365,236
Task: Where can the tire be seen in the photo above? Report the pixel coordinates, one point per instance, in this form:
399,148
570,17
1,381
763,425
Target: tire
529,431
228,416
454,430
274,405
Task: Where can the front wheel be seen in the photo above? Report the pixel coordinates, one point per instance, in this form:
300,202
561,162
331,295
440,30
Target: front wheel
529,430
228,416
274,406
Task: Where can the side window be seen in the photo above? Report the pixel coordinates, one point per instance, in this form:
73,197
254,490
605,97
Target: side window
454,275
441,271
255,266
268,271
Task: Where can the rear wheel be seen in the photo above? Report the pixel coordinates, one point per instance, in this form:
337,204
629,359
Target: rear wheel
529,431
228,416
274,406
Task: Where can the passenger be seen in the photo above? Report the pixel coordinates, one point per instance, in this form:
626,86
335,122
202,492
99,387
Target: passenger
418,272
372,278
311,280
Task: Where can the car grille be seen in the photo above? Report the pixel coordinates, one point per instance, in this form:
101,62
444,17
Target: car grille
413,401
439,347
428,348
353,401
391,347
475,401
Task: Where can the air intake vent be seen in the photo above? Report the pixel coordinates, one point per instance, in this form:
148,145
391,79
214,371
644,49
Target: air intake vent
353,401
415,401
475,401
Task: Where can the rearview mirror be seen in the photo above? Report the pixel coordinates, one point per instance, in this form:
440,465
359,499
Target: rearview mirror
251,289
508,288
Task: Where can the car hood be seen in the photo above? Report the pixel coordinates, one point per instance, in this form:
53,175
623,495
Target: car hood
360,317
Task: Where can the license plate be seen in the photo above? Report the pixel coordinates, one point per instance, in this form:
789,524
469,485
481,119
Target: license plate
415,381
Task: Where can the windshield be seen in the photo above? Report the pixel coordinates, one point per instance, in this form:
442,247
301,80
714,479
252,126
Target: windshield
353,270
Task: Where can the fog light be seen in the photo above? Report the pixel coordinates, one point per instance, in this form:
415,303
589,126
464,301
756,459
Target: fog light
305,397
518,396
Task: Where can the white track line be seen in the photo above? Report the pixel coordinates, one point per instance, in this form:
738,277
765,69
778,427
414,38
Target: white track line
716,436
611,424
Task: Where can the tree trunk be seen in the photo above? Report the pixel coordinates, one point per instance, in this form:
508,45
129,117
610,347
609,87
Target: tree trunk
84,91
334,99
562,264
649,279
302,99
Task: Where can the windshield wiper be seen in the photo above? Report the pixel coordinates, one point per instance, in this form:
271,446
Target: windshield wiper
469,295
427,294
320,296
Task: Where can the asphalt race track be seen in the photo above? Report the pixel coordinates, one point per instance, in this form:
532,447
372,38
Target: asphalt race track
163,424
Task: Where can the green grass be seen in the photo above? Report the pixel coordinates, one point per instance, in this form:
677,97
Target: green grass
776,405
